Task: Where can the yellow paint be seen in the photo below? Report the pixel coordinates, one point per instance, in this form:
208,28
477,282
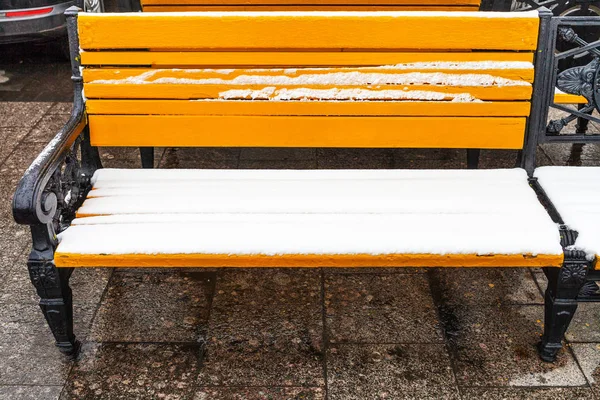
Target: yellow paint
565,98
92,74
284,131
303,260
258,31
188,8
193,91
284,59
313,2
373,108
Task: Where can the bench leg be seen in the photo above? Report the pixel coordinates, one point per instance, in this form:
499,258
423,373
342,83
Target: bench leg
56,300
147,155
564,285
473,158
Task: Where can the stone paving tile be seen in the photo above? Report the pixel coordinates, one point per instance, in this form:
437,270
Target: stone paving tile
260,393
496,346
374,270
277,164
542,158
573,154
121,157
133,371
203,158
14,246
588,356
264,286
393,308
355,158
25,337
165,306
23,114
46,128
486,286
61,108
561,153
540,279
497,159
9,139
581,393
7,222
278,154
40,88
454,163
430,154
266,331
413,371
21,159
30,392
585,324
87,284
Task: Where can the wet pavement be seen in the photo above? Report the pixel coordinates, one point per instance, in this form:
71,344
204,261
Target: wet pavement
372,333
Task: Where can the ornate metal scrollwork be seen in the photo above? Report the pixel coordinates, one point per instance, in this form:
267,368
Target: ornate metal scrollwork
580,80
589,289
43,274
573,273
66,189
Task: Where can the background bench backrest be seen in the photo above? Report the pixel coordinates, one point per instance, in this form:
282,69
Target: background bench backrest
309,5
459,80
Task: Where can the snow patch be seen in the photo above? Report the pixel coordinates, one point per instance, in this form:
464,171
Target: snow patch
313,212
306,94
334,78
575,191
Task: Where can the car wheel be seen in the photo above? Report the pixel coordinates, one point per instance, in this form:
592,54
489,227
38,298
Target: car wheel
94,6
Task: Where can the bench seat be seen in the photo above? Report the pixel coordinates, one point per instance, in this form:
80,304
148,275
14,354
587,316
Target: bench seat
574,192
310,218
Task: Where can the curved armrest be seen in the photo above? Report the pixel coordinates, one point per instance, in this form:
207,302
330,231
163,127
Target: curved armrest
34,201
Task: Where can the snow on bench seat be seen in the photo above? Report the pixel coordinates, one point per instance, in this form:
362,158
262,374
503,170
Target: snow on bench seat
575,192
310,217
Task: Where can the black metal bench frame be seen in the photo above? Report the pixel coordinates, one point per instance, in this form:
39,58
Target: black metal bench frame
58,181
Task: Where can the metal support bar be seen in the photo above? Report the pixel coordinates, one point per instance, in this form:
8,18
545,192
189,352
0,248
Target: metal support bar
541,91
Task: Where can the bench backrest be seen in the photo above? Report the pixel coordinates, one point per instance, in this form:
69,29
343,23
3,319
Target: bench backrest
309,5
315,79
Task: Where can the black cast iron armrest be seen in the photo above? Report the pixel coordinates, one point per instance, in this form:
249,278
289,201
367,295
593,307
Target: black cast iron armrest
58,180
37,198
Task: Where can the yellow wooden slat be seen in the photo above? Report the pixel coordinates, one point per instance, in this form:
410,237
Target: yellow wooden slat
189,8
308,131
373,108
565,98
93,74
310,30
304,260
185,91
286,59
312,2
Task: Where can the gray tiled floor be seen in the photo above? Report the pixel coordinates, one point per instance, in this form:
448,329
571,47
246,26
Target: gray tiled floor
348,333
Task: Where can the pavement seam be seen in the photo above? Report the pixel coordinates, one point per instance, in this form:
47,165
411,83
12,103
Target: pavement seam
570,350
44,114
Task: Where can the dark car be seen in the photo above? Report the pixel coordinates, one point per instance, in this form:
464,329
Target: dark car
33,20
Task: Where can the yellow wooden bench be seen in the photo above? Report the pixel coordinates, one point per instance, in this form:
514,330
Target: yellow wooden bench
289,79
308,5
